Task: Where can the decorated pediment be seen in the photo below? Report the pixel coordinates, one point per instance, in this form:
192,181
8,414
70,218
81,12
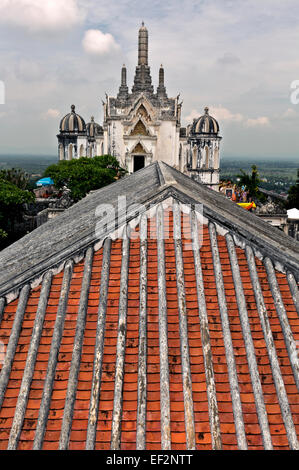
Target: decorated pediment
142,113
142,107
140,129
139,149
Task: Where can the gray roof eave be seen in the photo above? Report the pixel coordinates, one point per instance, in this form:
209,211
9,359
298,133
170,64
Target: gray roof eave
70,233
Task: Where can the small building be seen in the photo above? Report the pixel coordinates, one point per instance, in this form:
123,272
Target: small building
203,155
278,220
293,223
44,188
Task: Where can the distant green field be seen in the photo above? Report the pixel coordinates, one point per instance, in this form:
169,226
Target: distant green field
33,165
279,174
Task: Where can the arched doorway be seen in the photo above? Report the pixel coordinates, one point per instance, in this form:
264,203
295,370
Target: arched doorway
138,157
139,162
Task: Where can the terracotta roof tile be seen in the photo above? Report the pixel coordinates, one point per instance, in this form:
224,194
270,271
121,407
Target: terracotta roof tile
211,312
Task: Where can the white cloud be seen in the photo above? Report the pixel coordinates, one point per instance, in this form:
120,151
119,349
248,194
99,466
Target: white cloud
2,92
224,114
220,113
29,70
260,121
97,43
240,59
51,114
40,15
228,59
194,114
290,114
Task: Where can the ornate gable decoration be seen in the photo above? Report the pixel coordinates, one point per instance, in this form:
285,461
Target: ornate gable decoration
142,112
142,107
139,149
140,129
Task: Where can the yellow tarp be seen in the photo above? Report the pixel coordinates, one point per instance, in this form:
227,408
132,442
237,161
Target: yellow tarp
247,205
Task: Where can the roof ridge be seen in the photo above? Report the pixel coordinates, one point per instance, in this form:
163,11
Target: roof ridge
167,176
69,235
244,216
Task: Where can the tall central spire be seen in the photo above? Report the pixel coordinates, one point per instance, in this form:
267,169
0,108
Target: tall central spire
143,46
143,79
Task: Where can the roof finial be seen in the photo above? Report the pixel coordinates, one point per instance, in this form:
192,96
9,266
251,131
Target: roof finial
161,90
161,76
73,107
124,76
206,110
142,24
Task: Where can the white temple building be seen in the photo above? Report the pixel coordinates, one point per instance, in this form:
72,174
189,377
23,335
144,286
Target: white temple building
144,126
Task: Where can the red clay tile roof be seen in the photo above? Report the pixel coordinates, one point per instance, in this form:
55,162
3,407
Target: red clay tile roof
180,340
154,344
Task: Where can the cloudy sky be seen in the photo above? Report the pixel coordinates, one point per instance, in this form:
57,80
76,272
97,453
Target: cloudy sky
239,57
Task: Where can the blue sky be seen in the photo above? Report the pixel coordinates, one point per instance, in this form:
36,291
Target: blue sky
239,57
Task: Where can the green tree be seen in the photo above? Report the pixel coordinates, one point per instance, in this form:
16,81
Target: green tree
16,176
85,174
293,194
12,200
251,182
